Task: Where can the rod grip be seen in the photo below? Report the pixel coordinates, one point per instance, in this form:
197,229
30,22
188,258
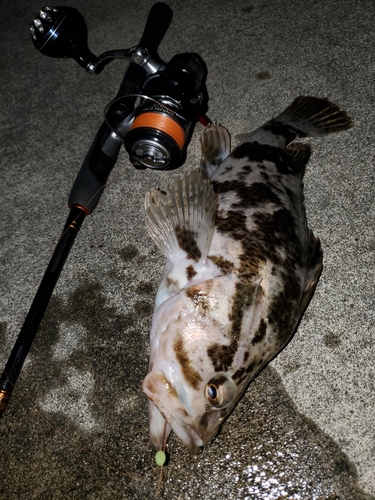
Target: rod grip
157,25
98,164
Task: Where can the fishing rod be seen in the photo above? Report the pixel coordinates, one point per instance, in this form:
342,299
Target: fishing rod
153,115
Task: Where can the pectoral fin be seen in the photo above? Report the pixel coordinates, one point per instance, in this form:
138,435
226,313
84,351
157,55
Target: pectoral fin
314,270
181,220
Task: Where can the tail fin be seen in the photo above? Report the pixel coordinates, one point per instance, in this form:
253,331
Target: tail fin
313,116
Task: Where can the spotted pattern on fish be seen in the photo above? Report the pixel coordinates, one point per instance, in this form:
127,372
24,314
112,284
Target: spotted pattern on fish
265,176
191,375
225,265
233,222
254,195
222,355
187,242
259,153
190,272
243,298
172,285
260,333
240,300
279,312
247,168
275,231
241,374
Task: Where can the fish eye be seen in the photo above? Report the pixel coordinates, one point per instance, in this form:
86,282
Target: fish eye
220,391
212,392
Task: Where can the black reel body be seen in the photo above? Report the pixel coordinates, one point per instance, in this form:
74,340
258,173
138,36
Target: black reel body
172,101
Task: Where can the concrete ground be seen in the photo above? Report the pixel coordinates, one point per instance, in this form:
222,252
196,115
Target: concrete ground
76,427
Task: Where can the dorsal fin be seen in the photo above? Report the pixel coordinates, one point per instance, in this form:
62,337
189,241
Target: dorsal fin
215,147
181,220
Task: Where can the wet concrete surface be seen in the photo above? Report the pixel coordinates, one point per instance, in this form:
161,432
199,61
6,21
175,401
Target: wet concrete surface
76,426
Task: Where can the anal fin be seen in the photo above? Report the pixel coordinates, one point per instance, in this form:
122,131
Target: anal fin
299,155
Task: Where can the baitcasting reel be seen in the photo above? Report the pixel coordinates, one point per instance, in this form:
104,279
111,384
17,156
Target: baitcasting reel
157,103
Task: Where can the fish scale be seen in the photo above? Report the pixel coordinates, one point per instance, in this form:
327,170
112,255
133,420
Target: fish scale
241,267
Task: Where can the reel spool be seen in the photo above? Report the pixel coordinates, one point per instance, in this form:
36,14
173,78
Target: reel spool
156,139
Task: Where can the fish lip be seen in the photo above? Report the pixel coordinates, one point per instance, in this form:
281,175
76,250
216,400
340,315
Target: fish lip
172,409
159,428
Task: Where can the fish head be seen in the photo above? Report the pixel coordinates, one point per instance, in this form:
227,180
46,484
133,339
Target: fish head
185,391
196,420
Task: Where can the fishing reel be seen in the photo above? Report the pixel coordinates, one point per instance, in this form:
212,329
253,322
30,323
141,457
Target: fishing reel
157,131
158,103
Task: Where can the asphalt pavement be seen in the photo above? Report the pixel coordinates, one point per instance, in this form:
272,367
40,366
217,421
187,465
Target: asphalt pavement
76,425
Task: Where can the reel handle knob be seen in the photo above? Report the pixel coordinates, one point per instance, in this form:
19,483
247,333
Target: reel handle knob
62,32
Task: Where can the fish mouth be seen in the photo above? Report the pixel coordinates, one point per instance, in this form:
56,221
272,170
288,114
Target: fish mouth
166,404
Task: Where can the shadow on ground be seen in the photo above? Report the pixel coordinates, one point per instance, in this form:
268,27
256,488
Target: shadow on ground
88,362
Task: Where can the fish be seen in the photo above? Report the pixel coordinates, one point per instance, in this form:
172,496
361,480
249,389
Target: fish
241,268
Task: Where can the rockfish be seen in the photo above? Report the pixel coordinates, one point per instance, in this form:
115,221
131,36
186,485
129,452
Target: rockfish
241,267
